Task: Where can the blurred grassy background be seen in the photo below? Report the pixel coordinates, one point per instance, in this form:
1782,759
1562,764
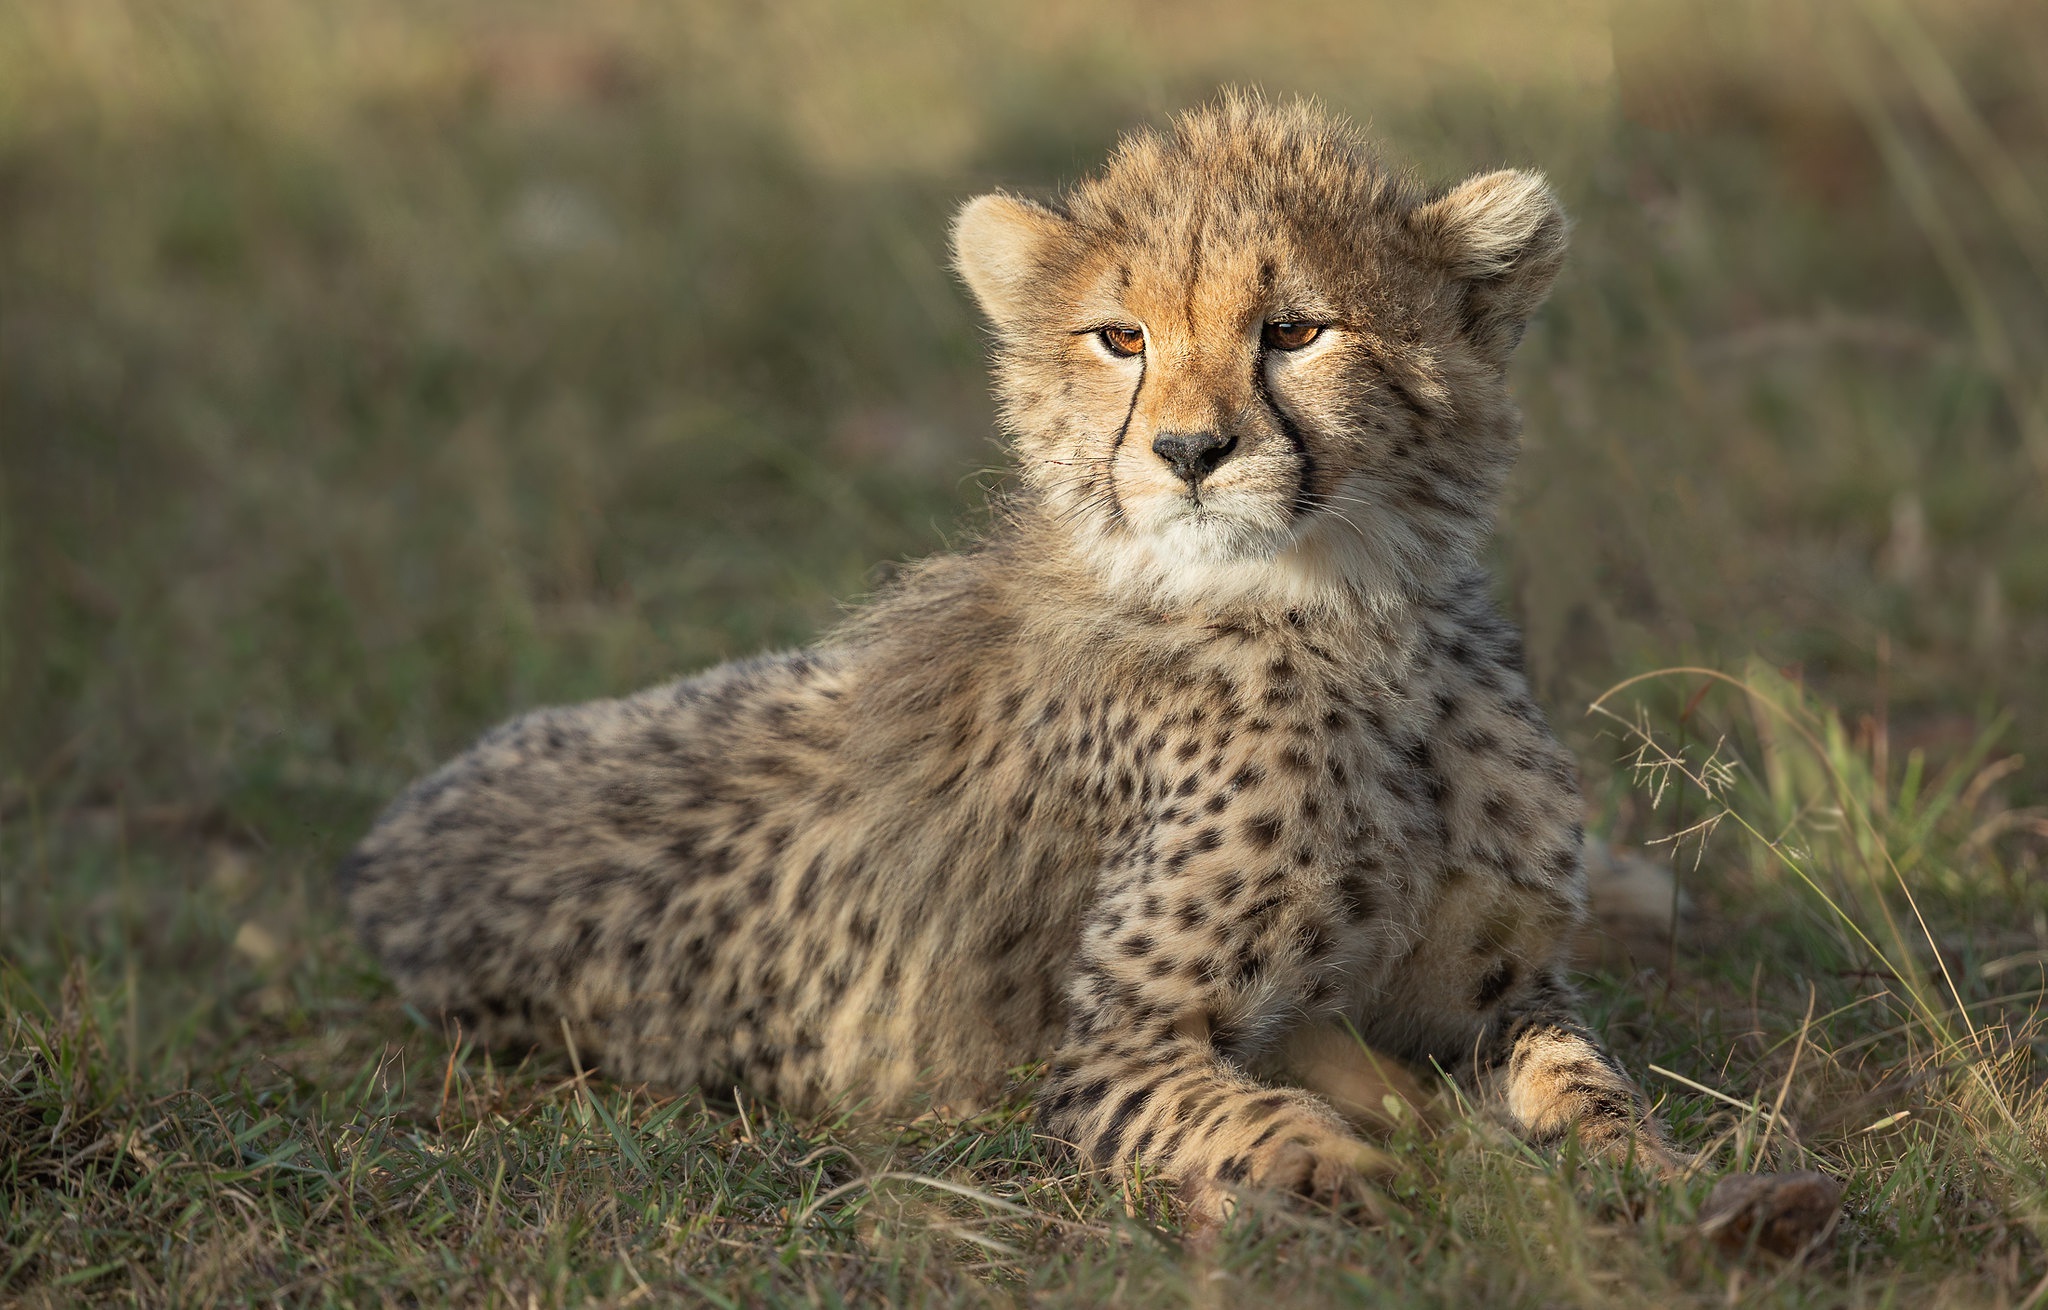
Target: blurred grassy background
370,371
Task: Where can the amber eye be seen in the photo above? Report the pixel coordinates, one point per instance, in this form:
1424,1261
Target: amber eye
1123,342
1291,336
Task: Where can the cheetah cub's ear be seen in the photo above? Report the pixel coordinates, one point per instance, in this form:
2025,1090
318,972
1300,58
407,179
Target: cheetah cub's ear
1004,246
1504,234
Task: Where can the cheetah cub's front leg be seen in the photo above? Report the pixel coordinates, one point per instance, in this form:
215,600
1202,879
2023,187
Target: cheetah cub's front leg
1185,968
1555,1079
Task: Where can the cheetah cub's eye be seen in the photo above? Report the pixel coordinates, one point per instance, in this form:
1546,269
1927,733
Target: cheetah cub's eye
1291,336
1123,342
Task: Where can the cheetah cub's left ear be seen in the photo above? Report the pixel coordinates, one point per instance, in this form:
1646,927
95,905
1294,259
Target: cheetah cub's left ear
1504,235
1004,247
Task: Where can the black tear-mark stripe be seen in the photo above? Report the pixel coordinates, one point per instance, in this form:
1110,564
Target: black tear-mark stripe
1116,500
1305,497
1131,410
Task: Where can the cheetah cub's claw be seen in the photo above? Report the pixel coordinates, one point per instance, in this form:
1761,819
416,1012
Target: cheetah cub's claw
1296,1172
1329,1173
1313,1163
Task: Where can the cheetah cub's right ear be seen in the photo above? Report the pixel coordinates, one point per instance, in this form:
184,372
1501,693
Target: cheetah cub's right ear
1503,234
1004,246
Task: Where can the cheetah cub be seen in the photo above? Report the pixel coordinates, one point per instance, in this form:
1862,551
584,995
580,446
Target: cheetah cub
1210,768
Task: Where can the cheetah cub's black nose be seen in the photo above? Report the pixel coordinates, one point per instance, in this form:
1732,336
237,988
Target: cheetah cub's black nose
1193,455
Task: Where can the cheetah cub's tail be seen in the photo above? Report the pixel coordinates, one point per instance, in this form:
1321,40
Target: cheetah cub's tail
1633,899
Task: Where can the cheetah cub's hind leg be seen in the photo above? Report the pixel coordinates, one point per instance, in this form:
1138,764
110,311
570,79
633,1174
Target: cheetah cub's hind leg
1371,1090
1555,1080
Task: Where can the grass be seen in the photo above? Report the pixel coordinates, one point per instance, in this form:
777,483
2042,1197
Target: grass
367,377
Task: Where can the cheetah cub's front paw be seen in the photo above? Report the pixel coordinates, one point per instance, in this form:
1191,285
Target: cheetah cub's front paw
1328,1173
1301,1157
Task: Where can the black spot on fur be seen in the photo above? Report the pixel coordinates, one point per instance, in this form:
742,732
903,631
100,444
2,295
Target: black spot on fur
807,886
1503,812
1263,831
1494,985
1263,1108
1073,1098
1361,901
1109,1146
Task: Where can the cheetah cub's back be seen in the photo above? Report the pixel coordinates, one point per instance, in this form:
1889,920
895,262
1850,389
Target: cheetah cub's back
1213,756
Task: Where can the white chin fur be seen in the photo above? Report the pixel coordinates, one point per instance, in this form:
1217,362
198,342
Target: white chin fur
1237,556
1224,527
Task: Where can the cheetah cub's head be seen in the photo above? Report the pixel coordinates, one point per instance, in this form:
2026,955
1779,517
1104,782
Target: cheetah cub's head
1249,364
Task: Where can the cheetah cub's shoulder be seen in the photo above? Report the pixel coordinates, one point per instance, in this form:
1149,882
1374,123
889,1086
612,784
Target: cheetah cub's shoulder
1213,753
